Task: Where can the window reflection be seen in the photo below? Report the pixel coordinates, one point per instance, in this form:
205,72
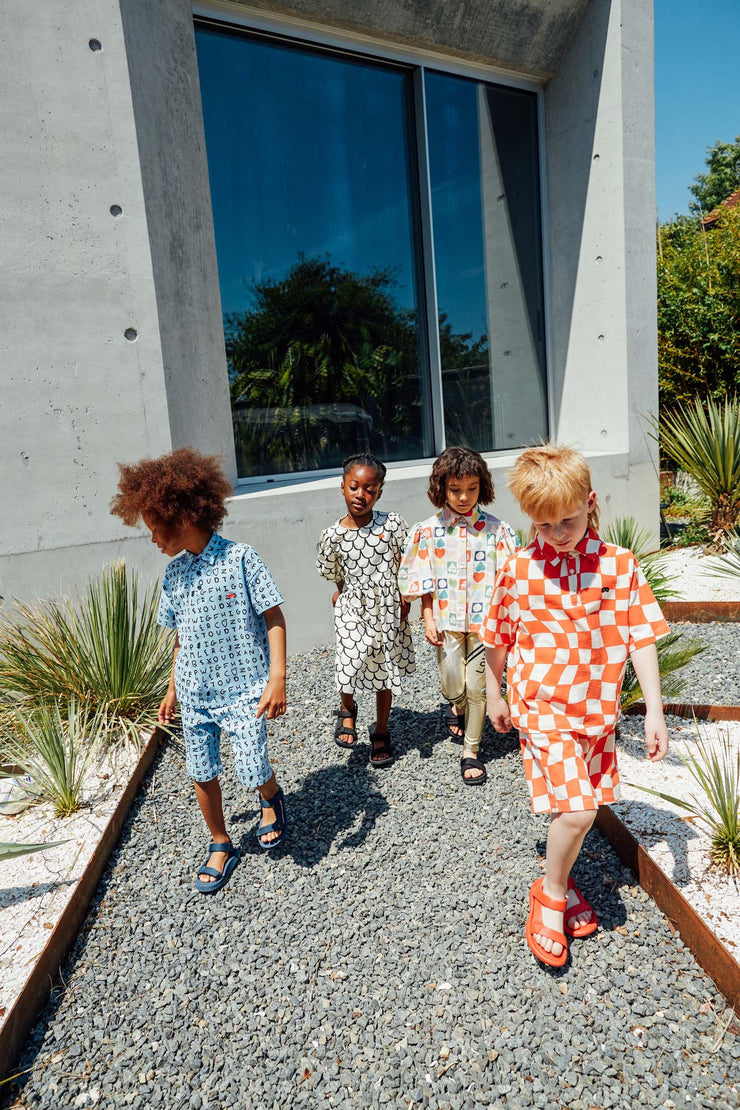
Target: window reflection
485,211
311,163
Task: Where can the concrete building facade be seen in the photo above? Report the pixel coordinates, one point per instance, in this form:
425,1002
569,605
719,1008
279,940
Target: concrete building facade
113,341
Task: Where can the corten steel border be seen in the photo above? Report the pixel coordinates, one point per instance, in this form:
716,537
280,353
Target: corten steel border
707,949
701,612
689,709
24,1011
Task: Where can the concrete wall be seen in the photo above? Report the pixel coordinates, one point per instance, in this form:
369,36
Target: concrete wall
122,126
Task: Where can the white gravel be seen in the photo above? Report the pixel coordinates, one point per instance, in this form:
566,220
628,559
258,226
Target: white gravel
694,582
676,841
35,889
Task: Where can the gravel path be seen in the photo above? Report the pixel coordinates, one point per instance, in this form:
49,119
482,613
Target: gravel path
713,677
380,961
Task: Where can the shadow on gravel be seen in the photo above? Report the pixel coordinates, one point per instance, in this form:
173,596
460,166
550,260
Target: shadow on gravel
328,804
648,824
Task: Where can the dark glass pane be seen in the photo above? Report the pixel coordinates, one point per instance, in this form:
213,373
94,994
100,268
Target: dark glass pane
485,209
311,160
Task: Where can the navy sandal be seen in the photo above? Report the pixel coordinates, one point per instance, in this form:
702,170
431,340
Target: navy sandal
341,730
472,763
279,825
220,878
457,720
380,753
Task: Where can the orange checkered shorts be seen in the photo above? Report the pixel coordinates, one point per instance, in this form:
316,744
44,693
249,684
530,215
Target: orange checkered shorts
569,772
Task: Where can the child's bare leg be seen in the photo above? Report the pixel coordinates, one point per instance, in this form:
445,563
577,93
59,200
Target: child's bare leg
383,700
564,841
211,806
268,790
348,703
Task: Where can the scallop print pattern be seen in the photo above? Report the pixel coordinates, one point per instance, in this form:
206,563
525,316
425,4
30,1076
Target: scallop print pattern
374,646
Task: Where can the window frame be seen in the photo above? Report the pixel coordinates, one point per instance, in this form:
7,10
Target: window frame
224,15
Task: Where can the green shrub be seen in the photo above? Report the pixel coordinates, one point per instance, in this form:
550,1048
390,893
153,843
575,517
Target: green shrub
717,774
56,746
704,440
104,649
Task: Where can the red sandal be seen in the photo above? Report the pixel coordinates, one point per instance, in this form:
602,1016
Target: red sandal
581,906
535,924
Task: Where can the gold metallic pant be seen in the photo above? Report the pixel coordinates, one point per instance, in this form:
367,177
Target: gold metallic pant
462,674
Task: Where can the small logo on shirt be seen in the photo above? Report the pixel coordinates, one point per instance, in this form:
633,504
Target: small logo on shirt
605,589
230,595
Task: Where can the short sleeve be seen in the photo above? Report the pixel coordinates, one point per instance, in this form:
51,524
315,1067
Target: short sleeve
263,592
414,562
397,532
507,543
501,624
646,621
166,615
327,563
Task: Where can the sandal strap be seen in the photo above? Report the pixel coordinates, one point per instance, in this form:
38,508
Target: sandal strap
558,904
210,871
346,713
471,763
275,802
552,934
225,846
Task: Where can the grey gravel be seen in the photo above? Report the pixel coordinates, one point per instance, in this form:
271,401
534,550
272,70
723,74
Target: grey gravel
713,676
379,960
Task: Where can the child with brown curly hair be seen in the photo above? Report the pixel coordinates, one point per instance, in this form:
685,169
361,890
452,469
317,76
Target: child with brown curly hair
228,670
450,561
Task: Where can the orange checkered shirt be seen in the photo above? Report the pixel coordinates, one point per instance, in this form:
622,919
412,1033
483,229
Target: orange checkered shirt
571,621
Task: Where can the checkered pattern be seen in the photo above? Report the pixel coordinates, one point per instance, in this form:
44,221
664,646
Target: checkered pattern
571,621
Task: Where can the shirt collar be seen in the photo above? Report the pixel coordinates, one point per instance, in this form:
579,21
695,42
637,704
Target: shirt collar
589,548
209,554
449,517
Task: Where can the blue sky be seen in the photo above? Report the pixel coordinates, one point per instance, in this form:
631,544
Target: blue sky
697,91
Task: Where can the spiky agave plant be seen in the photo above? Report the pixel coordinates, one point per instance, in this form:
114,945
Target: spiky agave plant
704,440
716,771
674,650
56,746
105,649
727,565
12,851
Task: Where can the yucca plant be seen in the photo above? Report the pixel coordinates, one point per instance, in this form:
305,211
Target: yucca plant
11,851
626,532
716,771
727,565
56,746
674,652
105,649
704,440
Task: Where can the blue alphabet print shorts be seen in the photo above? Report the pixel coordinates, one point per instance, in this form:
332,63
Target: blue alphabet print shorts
202,726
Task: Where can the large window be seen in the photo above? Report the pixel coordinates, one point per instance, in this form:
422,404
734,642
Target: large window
378,240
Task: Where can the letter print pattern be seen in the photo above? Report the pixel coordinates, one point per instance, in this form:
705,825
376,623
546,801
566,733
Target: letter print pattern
456,559
571,621
215,600
374,646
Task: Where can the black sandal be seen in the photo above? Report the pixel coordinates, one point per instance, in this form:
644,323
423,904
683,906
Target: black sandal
381,753
472,763
343,730
451,718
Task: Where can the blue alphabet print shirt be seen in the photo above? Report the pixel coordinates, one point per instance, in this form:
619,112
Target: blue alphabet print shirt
215,600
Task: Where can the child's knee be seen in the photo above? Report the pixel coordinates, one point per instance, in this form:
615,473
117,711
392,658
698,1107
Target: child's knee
579,821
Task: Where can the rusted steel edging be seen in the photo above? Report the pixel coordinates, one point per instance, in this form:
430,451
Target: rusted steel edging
707,949
701,612
688,709
24,1011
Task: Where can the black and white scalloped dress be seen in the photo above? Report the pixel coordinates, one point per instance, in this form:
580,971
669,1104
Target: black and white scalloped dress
374,646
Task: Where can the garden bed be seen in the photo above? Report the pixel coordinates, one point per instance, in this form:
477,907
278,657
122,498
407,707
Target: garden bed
44,896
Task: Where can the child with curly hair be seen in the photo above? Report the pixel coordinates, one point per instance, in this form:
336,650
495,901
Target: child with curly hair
228,670
569,609
450,561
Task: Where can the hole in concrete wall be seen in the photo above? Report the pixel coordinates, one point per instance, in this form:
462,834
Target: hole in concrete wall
115,210
95,45
131,334
601,339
